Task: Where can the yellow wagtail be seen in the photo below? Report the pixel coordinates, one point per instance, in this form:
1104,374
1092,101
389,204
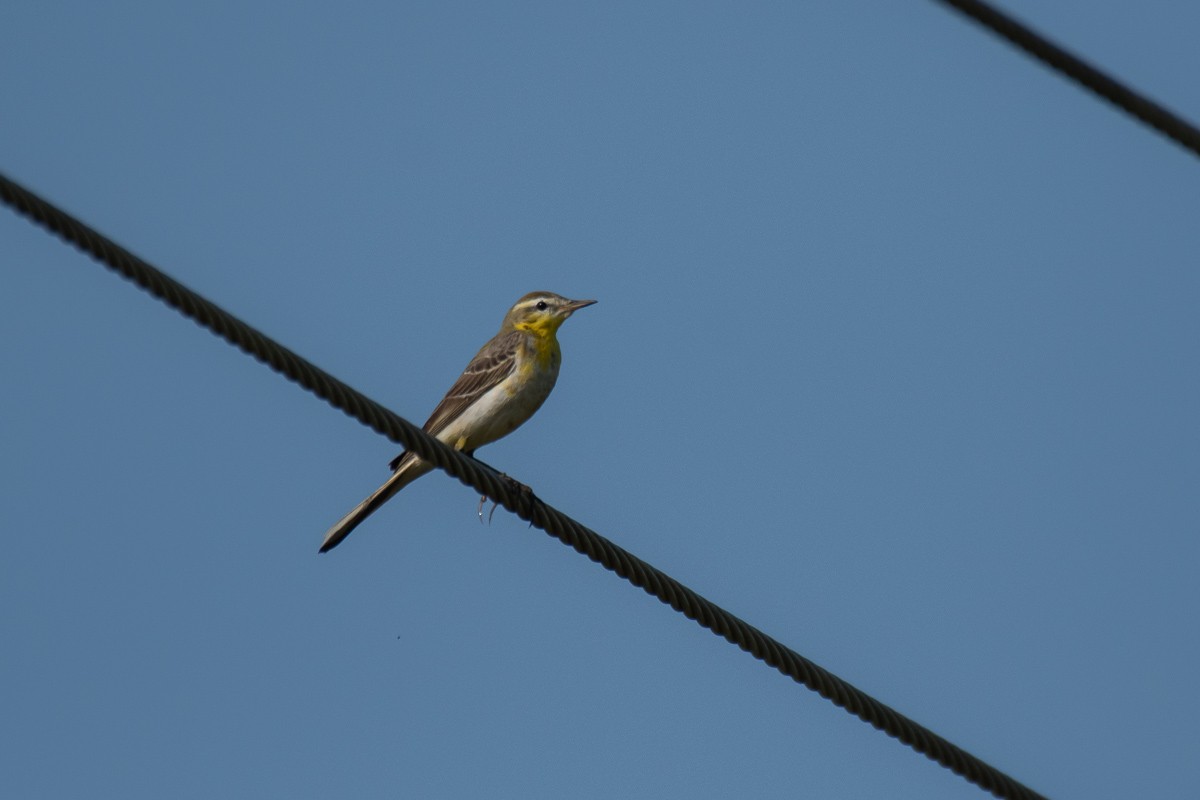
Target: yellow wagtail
507,380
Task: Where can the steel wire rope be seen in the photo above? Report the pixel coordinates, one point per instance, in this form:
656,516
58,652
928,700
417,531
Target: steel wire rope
488,482
1137,105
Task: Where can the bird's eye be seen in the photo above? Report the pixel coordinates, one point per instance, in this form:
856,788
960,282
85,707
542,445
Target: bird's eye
541,305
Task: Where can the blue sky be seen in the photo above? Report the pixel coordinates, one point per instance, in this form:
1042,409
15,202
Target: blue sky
895,357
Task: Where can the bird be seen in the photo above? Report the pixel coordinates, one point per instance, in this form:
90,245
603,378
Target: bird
503,385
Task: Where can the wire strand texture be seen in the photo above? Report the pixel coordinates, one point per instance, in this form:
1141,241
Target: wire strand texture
529,508
1149,112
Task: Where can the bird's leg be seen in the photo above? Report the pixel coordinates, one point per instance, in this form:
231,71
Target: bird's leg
527,495
528,498
483,498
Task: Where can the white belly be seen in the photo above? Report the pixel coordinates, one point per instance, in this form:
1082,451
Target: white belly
500,411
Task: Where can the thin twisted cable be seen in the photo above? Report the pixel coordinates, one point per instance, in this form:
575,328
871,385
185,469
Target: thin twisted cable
488,482
1151,113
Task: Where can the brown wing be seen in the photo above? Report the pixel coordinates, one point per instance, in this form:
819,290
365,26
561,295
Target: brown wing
492,364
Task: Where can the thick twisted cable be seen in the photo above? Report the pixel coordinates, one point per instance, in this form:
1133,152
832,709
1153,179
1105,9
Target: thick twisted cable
1156,116
483,479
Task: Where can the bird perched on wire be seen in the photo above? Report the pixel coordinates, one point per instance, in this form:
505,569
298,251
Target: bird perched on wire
505,383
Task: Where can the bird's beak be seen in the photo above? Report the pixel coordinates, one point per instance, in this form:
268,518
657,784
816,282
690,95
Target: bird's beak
574,305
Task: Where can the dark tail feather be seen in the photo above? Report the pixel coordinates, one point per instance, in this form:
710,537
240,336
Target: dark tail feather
401,478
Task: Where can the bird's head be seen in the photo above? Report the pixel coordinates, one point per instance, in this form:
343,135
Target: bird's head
542,313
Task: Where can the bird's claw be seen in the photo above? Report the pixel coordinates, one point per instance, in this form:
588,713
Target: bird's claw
526,501
479,511
528,498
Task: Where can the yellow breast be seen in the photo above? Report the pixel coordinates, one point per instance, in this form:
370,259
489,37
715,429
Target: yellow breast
537,361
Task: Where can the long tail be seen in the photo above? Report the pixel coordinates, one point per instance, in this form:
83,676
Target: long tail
405,474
